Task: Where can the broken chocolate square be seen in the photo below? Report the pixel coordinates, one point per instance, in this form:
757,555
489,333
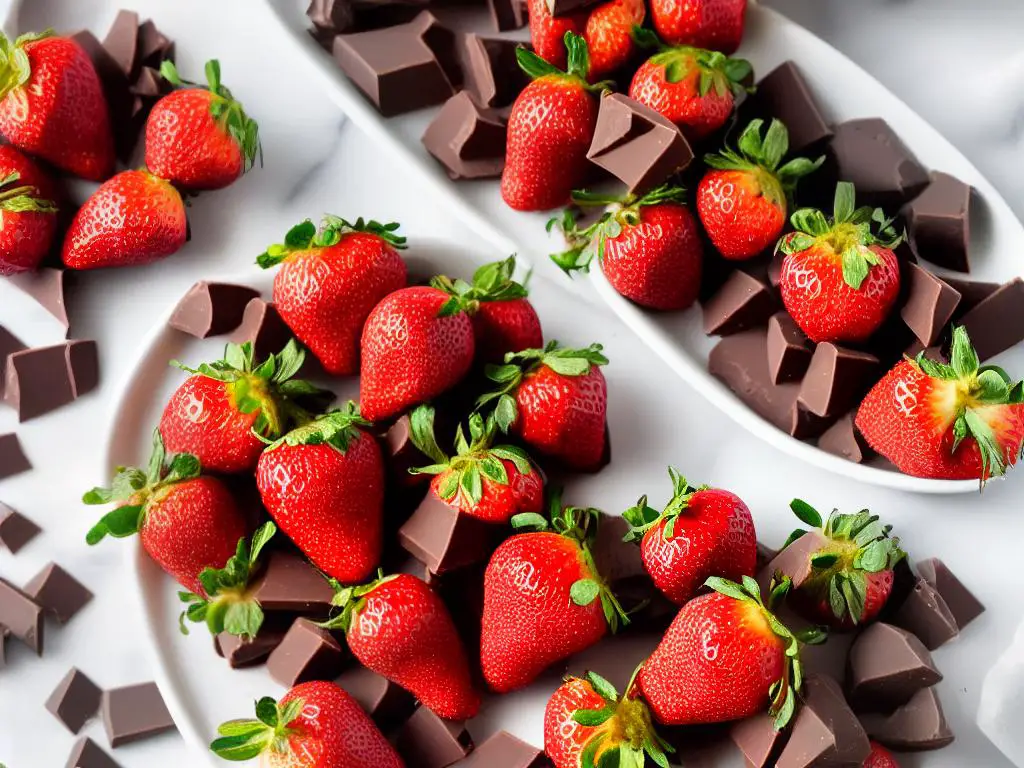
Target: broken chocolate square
490,69
507,14
134,712
9,344
307,652
938,223
783,94
115,85
885,173
759,740
964,606
211,309
16,530
244,652
824,730
926,614
444,539
38,381
789,350
467,139
427,741
887,666
331,16
387,703
12,458
75,701
88,754
20,614
918,725
503,750
742,302
835,379
58,592
82,359
844,439
290,583
122,41
154,46
997,323
972,292
930,304
262,327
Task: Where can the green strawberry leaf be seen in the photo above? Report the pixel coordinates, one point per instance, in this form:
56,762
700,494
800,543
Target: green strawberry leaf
584,591
592,717
806,513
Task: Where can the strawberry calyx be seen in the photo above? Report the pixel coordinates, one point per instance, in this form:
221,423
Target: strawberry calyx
575,72
491,282
305,237
643,518
15,69
848,235
242,740
228,605
336,428
718,71
351,600
22,199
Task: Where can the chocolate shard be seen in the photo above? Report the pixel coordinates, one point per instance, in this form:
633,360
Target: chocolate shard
844,439
938,223
38,381
883,170
122,41
887,666
83,364
637,145
444,539
930,304
16,530
12,458
997,323
263,327
133,713
491,73
507,15
794,561
20,614
836,379
964,606
154,46
116,90
789,350
245,652
333,16
503,750
742,302
75,701
291,584
211,309
783,94
918,725
825,732
9,343
758,740
58,592
926,614
307,652
149,84
88,754
467,139
427,741
972,292
387,703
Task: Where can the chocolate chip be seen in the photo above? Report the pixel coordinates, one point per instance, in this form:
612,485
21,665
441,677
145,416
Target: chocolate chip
9,343
964,606
122,41
918,725
997,322
12,459
387,703
836,378
245,652
444,539
20,614
742,302
883,170
291,584
75,701
759,740
262,327
844,439
503,750
307,652
507,15
789,350
88,754
467,139
783,94
58,592
824,730
490,69
427,741
926,614
16,530
134,712
211,309
887,666
929,306
938,223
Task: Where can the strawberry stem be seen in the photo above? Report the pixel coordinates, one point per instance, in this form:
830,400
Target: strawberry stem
15,69
576,71
22,199
643,518
305,236
271,731
716,70
491,282
351,600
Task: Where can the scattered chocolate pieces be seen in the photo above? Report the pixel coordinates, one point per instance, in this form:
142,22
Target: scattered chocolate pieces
784,95
887,666
467,139
427,741
926,614
843,439
42,379
997,323
824,731
386,702
835,379
46,286
58,592
503,750
75,701
16,530
12,459
490,70
20,614
742,302
964,606
290,583
211,309
789,350
307,652
134,712
918,725
263,328
929,306
444,539
244,652
9,343
88,754
938,223
507,14
885,173
758,740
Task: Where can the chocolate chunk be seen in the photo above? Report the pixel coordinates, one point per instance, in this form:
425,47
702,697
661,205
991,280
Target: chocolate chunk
444,539
844,439
263,328
637,145
402,453
775,269
58,592
765,555
134,712
490,70
758,740
75,701
793,561
563,7
503,750
869,154
38,381
918,725
836,379
386,702
20,614
88,754
82,359
783,94
115,82
507,14
245,652
938,223
154,46
150,84
926,614
307,652
887,666
122,41
290,583
742,302
16,530
929,306
622,568
972,292
9,343
789,350
12,459
825,732
467,139
964,606
997,323
332,15
427,741
210,309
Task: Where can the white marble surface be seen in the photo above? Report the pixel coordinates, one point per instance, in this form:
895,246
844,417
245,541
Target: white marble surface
315,164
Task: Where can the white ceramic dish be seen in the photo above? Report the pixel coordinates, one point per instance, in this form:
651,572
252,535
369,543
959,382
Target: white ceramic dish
842,88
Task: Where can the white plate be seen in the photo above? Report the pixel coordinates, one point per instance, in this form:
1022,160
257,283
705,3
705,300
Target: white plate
844,91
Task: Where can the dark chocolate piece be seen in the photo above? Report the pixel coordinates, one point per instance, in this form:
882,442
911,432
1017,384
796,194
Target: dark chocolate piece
332,16
885,173
134,712
154,46
9,343
490,70
263,328
88,754
58,592
20,614
972,292
402,453
775,269
116,90
929,306
386,702
964,606
150,83
467,139
918,725
75,701
307,652
758,740
824,732
427,741
210,309
245,652
507,14
503,750
122,41
783,94
793,561
742,302
444,539
844,439
16,530
38,381
290,583
765,555
789,350
887,666
926,614
82,359
12,458
938,223
835,379
997,323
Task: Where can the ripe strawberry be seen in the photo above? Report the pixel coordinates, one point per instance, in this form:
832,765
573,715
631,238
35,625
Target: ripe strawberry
543,598
550,130
187,522
315,725
398,627
609,35
200,138
330,281
714,24
703,532
28,218
547,32
742,201
586,719
840,279
880,757
954,422
649,248
692,87
417,343
504,320
52,105
556,400
134,218
226,411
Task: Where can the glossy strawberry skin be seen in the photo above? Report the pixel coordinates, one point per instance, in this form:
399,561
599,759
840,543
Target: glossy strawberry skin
879,587
713,24
547,32
26,236
609,35
740,221
880,757
564,738
405,633
60,113
505,326
325,294
132,219
409,354
328,502
564,416
681,102
500,502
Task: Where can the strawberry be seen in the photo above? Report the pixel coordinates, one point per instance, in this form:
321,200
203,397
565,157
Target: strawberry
543,597
587,723
742,200
725,657
955,422
227,410
52,104
649,247
692,87
199,138
840,279
398,627
323,484
609,35
417,343
714,24
329,282
547,32
703,532
849,579
504,320
880,757
549,130
315,725
556,400
187,521
134,218
28,218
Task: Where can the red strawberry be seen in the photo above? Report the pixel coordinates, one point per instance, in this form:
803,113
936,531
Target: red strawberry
543,598
52,105
315,725
417,343
609,35
398,627
187,522
725,657
132,219
586,720
714,24
330,281
692,87
742,201
649,248
226,410
839,279
504,320
323,483
556,400
954,422
880,757
550,130
547,32
200,138
703,532
27,212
